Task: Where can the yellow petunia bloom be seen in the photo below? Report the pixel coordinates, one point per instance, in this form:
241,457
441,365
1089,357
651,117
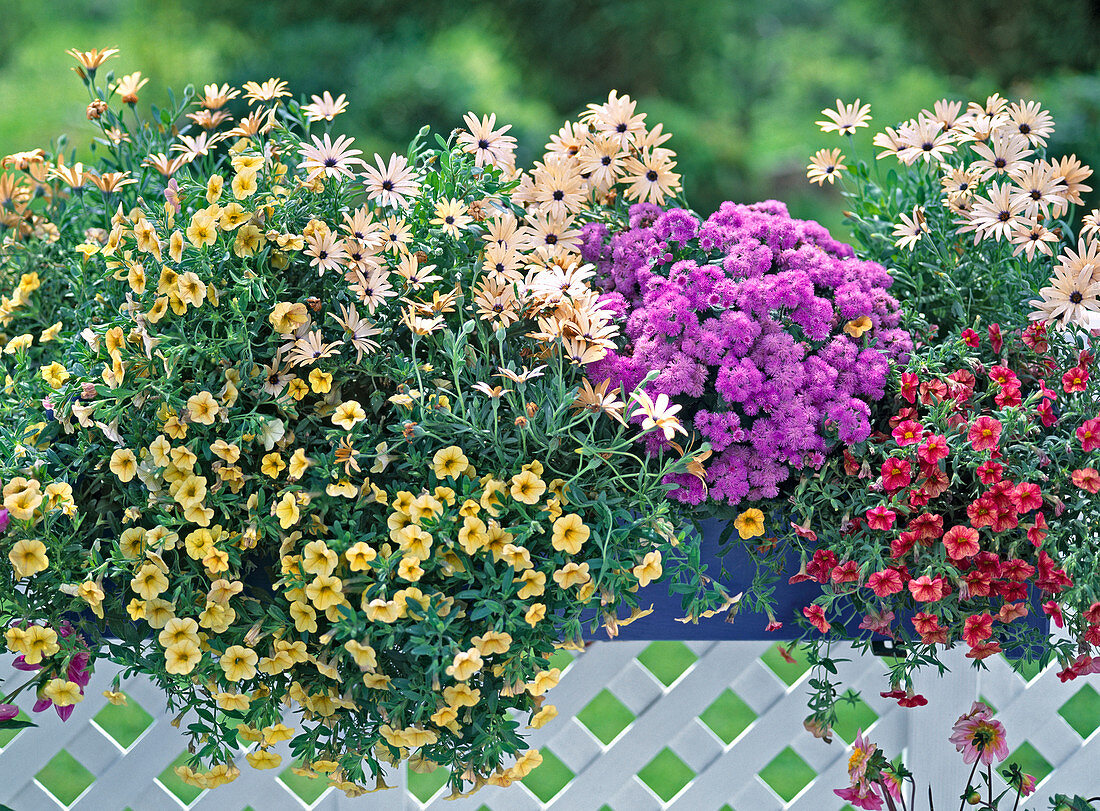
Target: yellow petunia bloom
382,610
534,583
232,702
649,569
543,681
263,759
348,414
203,408
570,533
28,558
62,692
299,464
492,642
149,582
318,559
320,382
124,464
360,555
202,231
572,574
527,487
179,629
544,716
466,663
182,657
305,618
325,591
364,655
409,569
287,511
55,375
272,465
22,497
449,462
38,642
750,523
238,663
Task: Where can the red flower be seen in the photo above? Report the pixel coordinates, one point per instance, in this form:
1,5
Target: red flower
1004,376
977,628
851,464
1008,397
935,483
774,625
816,615
895,693
908,433
926,589
1016,569
821,567
902,545
981,512
926,527
961,542
1092,614
846,572
960,385
1054,611
983,649
989,472
1028,497
1046,413
1089,434
971,338
896,474
909,385
1050,577
912,700
933,449
1087,479
995,339
1075,379
1035,336
985,433
885,583
978,584
881,518
1037,532
1012,611
933,390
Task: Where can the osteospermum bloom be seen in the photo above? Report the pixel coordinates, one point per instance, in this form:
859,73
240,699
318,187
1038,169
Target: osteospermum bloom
391,184
826,164
846,118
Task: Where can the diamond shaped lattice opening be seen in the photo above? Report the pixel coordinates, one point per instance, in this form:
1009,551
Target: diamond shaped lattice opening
425,785
1029,759
852,717
171,781
65,778
8,735
605,716
666,774
728,716
667,660
790,667
787,774
308,789
549,777
124,722
1082,712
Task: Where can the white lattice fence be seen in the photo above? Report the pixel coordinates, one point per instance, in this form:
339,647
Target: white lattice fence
682,729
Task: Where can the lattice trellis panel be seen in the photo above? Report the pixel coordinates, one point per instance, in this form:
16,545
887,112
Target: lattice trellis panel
718,733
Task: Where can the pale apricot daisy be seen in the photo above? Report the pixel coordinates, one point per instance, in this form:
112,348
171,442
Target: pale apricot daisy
826,164
390,184
489,146
846,118
330,158
325,107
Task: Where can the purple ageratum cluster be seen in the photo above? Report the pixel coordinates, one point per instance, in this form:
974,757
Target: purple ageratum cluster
744,318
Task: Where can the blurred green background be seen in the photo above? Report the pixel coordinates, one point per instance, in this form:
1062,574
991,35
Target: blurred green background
739,84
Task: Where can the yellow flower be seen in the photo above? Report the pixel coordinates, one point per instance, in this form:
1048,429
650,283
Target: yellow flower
466,663
445,717
233,702
277,733
299,464
202,231
55,375
202,407
543,681
348,414
22,497
449,462
92,593
214,188
179,629
234,215
158,612
382,610
320,382
649,569
28,558
287,511
750,523
50,333
572,574
409,569
223,450
175,246
239,663
543,716
272,465
325,591
360,555
305,618
118,699
182,657
263,759
249,240
149,582
856,327
244,185
123,464
217,617
534,583
518,557
364,655
570,532
492,642
527,487
297,388
285,318
62,692
318,559
525,765
191,491
38,642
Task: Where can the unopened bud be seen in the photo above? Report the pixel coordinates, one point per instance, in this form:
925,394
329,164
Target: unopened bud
96,109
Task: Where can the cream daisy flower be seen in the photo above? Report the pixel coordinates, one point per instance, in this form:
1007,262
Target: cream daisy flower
325,107
846,118
1071,298
489,146
330,158
390,184
826,164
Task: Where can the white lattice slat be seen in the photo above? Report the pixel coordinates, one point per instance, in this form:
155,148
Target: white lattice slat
665,717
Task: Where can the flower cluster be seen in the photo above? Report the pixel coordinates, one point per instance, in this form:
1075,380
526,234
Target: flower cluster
768,334
314,431
972,505
976,191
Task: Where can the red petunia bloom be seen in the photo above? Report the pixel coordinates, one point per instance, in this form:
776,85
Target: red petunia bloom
981,512
846,572
885,583
1004,376
1037,533
1087,479
1046,413
909,385
1089,434
961,542
926,589
995,339
933,391
908,433
1092,614
1035,336
816,615
881,518
1050,577
1004,520
983,650
977,628
912,700
1016,569
896,474
1054,611
933,449
978,584
926,527
985,433
960,385
821,567
851,464
971,338
1012,611
1008,397
990,472
1076,379
1028,497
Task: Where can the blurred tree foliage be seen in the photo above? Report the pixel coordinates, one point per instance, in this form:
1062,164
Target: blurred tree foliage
739,84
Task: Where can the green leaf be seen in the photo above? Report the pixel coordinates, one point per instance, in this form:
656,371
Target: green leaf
17,723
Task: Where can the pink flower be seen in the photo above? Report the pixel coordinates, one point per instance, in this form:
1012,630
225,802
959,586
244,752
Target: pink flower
1089,434
995,339
908,433
881,518
1087,479
816,615
912,699
977,628
933,449
1028,497
846,572
885,583
5,519
971,338
909,384
961,542
1076,379
978,736
1054,611
896,474
985,433
925,589
8,711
